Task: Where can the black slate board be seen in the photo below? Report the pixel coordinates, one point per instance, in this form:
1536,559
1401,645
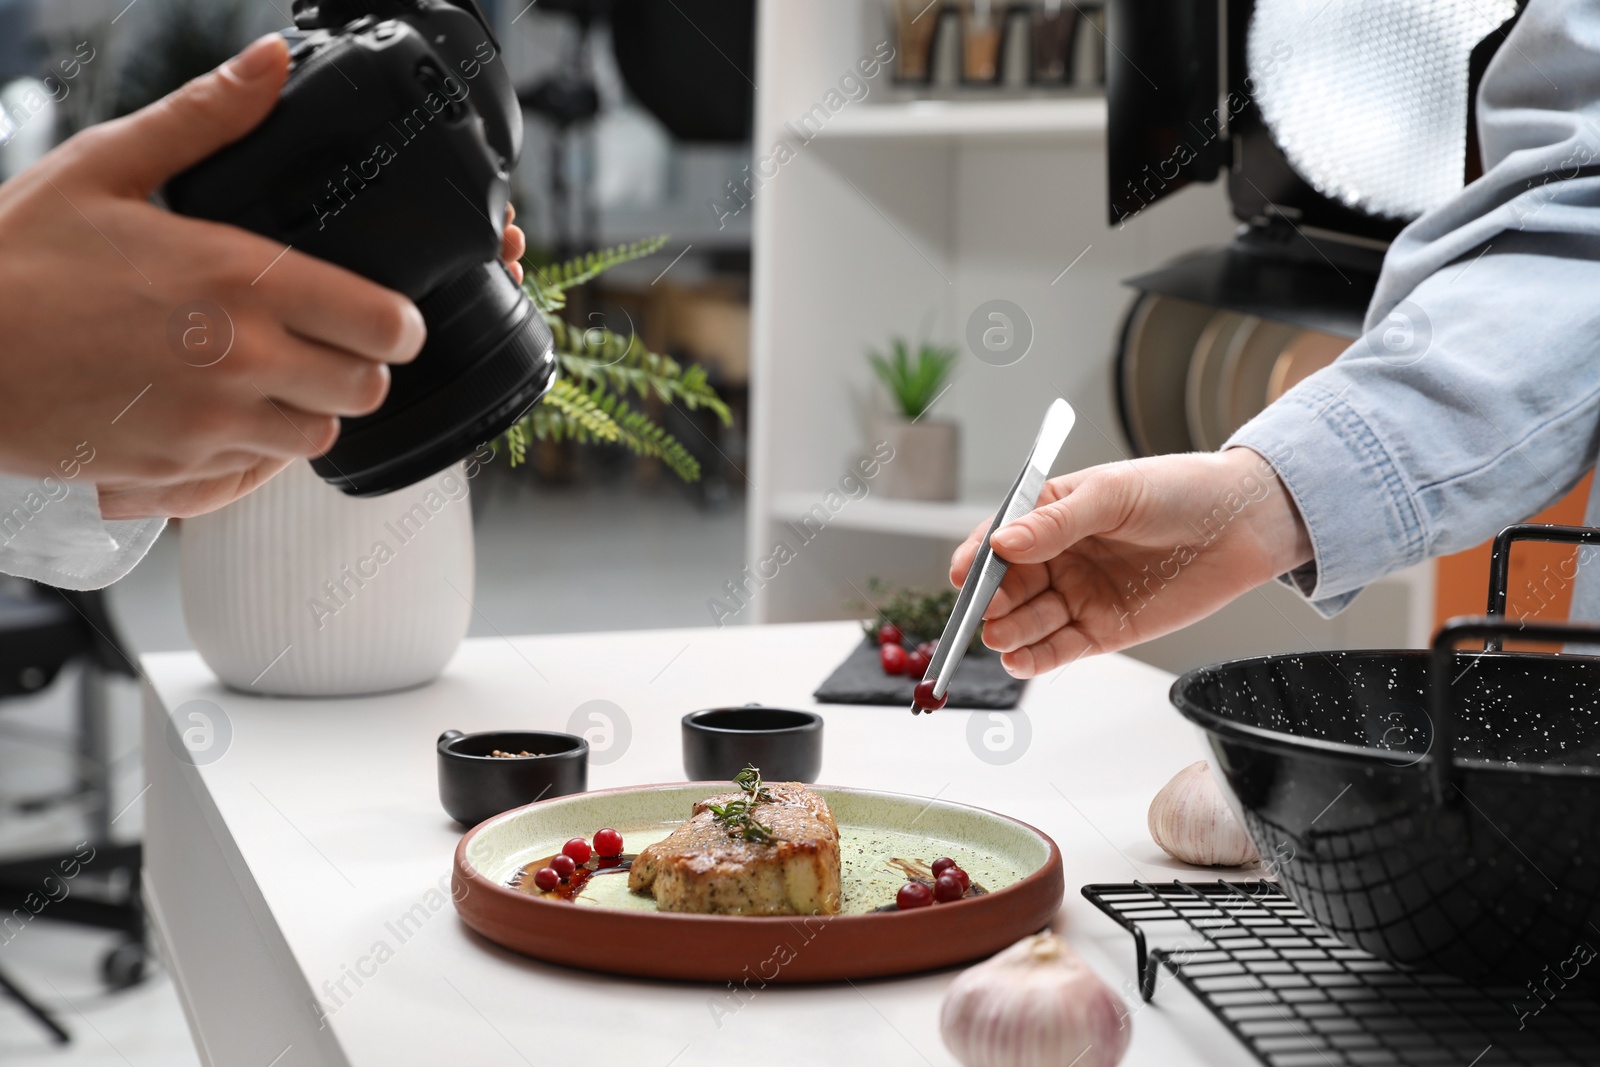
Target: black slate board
980,682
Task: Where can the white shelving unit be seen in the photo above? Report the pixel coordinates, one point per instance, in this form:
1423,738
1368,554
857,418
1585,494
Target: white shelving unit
1043,120
913,518
900,218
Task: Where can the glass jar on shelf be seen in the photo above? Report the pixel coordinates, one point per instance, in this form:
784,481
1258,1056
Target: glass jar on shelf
916,24
1053,27
982,23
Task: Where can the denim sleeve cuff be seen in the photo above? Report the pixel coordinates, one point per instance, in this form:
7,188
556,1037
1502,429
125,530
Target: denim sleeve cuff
1360,510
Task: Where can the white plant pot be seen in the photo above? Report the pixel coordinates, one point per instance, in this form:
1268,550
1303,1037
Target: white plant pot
927,459
299,590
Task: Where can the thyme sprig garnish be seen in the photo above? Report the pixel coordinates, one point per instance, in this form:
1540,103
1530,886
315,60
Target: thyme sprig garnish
735,815
750,783
736,820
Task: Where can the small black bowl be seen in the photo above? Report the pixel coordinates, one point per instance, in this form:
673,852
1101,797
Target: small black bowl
784,744
474,785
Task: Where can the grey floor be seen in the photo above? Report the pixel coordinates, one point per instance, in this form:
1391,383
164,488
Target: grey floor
548,561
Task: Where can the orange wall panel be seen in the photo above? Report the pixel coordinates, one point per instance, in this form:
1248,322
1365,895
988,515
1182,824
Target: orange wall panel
1540,582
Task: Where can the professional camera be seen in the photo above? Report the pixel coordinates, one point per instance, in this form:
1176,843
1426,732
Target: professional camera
388,153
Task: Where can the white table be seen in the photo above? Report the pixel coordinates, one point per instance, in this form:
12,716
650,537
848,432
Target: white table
286,868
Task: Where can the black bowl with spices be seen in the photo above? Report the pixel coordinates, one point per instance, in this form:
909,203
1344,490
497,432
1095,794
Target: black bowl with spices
483,774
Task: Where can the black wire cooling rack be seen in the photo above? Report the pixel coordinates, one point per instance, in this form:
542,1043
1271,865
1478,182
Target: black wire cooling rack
1297,997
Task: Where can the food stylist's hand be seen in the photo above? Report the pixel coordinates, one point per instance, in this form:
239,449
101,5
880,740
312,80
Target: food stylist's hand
1121,553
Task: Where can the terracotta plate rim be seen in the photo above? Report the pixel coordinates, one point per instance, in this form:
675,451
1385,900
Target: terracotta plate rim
477,880
930,938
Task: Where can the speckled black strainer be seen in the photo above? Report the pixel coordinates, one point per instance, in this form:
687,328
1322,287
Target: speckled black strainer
1486,862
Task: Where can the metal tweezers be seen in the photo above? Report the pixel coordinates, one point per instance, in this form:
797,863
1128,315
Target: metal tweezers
983,578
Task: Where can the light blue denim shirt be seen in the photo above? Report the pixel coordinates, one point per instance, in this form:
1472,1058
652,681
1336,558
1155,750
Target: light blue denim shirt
1473,400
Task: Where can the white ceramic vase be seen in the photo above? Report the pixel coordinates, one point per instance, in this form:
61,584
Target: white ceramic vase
299,590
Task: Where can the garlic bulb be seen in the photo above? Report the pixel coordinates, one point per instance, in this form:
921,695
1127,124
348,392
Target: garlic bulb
1034,1005
1192,822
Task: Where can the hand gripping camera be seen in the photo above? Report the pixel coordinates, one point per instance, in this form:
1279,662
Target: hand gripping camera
388,153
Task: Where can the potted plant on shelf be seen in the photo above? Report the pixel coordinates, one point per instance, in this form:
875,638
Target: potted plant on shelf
299,590
927,452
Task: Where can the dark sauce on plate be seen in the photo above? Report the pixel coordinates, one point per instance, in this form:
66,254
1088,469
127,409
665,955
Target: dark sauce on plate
569,888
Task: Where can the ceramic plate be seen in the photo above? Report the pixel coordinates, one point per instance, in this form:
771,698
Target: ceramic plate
1153,371
1246,368
1302,357
1205,377
607,928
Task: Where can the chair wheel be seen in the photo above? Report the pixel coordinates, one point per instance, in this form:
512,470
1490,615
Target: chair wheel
123,966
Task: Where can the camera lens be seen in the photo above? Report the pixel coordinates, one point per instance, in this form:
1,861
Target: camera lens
488,358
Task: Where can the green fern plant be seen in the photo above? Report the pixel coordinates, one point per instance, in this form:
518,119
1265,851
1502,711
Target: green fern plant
603,375
914,384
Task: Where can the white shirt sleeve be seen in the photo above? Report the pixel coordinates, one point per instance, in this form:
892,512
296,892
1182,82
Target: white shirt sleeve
51,531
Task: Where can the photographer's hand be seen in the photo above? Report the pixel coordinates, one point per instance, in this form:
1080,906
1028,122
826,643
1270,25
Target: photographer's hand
513,245
1118,554
95,283
207,494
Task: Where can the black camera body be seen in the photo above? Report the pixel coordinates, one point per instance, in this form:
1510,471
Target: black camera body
389,154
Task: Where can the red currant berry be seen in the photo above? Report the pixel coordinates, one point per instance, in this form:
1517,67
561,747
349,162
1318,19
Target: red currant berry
928,648
942,864
564,866
608,843
889,634
961,876
546,878
917,664
913,895
893,659
947,887
578,849
925,699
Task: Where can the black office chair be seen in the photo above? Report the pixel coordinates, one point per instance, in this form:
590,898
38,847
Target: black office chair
42,630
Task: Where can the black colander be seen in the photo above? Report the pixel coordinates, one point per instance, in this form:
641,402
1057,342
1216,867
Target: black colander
1437,808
